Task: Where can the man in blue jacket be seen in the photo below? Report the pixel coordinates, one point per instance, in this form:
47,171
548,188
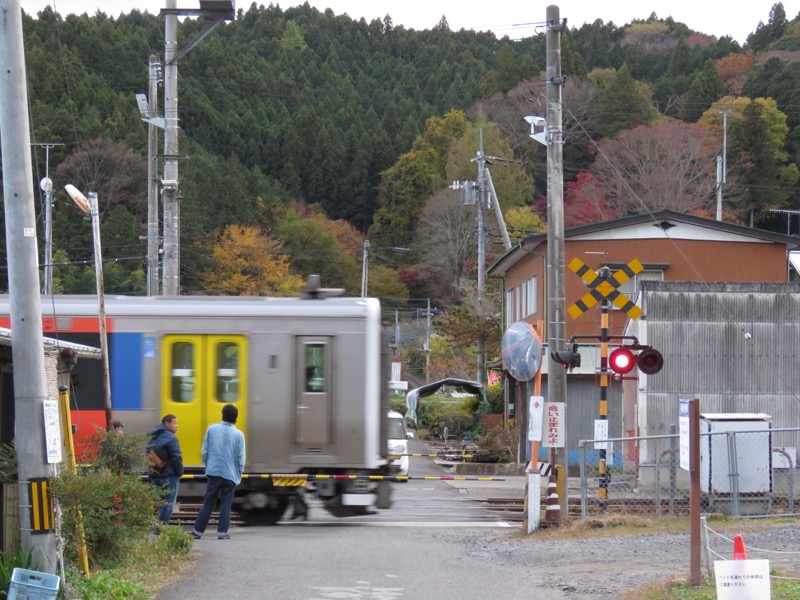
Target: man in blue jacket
164,443
223,455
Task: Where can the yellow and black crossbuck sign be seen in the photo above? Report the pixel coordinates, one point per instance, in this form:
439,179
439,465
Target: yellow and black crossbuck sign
605,288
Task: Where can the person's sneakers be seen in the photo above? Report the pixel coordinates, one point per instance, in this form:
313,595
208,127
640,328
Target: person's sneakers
196,535
223,536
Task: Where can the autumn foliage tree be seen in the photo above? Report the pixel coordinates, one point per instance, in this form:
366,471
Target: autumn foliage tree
757,156
249,263
670,165
585,202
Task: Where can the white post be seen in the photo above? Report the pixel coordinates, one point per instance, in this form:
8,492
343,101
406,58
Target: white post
101,304
365,270
90,207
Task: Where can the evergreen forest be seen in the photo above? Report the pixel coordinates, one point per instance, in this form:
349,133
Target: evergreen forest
307,137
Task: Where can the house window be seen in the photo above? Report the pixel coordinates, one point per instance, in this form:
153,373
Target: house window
530,297
521,301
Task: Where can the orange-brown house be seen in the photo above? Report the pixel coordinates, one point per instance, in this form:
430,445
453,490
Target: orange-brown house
672,247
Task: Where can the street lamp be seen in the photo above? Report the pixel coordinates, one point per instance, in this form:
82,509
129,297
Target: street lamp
365,264
90,208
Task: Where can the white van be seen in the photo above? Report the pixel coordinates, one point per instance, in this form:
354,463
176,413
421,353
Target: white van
398,442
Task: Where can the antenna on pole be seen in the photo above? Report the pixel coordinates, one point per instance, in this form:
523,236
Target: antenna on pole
46,185
722,162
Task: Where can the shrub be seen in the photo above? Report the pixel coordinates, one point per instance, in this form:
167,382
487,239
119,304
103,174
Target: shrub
119,452
117,510
173,541
498,445
437,414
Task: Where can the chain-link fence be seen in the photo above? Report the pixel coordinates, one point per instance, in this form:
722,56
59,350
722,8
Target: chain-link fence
748,471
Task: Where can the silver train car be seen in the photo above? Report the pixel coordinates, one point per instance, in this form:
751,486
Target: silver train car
309,376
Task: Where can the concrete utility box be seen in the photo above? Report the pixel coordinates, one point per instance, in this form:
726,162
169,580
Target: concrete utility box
753,459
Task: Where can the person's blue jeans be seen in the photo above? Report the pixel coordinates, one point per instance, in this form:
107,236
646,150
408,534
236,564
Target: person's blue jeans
169,493
218,488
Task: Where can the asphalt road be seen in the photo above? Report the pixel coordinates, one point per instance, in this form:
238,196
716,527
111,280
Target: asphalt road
424,547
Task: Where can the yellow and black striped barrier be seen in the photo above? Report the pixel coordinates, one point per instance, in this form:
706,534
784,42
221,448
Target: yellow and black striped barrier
42,508
295,479
438,455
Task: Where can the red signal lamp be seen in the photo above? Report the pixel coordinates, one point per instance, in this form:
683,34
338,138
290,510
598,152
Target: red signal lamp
622,361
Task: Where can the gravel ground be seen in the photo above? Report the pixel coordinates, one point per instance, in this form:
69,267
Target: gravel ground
607,565
604,567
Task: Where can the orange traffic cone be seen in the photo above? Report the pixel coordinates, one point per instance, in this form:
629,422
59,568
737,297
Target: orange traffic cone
552,513
739,553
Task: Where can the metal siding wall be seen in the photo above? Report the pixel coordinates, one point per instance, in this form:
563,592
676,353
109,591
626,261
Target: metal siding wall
583,407
700,329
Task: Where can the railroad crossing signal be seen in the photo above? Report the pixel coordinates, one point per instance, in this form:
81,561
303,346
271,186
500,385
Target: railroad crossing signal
605,287
623,359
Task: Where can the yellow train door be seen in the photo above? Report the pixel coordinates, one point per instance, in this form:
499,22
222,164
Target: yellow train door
199,375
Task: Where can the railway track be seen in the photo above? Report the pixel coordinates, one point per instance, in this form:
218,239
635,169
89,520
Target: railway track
506,509
185,514
512,509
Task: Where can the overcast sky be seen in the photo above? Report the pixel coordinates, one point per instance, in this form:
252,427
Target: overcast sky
515,18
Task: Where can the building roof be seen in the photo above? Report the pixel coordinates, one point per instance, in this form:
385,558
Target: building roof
51,345
664,224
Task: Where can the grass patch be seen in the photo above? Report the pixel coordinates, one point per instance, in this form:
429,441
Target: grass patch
781,589
607,526
150,567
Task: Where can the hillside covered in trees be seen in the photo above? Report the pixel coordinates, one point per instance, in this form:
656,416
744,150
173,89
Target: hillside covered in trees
306,133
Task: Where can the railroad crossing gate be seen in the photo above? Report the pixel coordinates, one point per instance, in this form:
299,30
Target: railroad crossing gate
605,288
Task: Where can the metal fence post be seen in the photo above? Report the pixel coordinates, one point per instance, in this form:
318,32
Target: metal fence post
706,556
673,476
584,494
733,473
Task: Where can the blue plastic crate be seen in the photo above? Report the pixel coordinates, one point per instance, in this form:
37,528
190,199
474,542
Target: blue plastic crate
32,585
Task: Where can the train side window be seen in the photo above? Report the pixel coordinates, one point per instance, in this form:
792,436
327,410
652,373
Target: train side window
315,368
182,372
227,372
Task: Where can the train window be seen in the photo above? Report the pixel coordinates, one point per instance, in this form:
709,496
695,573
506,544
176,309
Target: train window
183,372
227,372
315,367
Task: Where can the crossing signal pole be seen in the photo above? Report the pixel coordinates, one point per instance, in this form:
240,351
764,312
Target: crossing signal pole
605,291
602,468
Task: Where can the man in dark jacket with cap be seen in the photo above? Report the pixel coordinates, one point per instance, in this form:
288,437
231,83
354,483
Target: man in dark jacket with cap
164,443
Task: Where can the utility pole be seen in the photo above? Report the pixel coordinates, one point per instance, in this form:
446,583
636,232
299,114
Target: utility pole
215,13
722,162
46,185
428,342
172,252
486,197
556,307
152,180
481,183
27,350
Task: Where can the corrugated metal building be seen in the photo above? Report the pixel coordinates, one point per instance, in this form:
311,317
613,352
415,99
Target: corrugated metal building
734,346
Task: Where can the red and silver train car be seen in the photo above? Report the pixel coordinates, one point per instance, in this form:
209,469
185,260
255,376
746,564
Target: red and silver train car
308,375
